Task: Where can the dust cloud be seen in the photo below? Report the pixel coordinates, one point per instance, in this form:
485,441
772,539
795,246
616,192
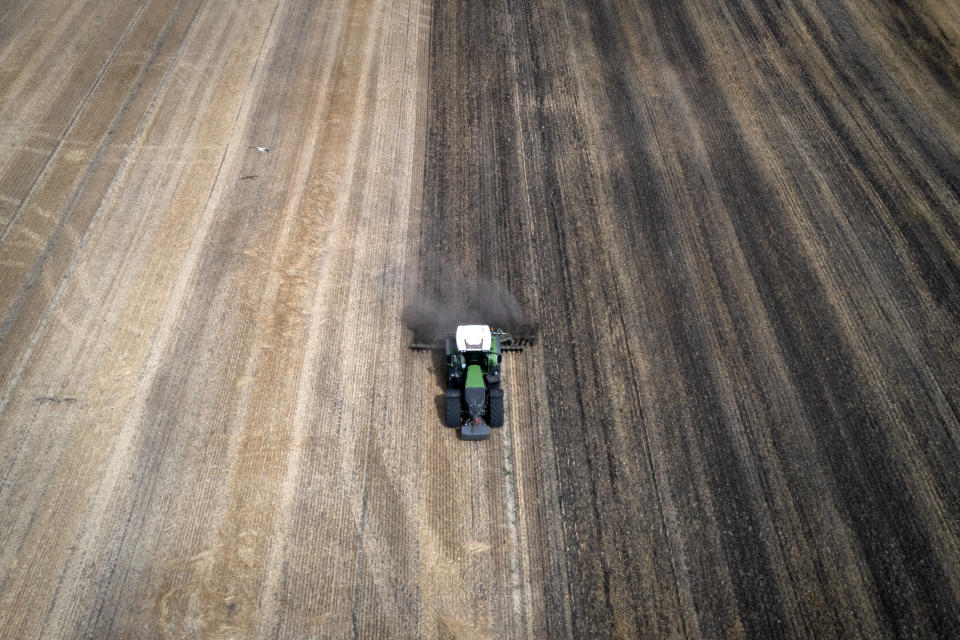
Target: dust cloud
476,300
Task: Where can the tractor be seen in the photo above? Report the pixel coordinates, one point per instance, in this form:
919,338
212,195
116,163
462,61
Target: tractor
474,397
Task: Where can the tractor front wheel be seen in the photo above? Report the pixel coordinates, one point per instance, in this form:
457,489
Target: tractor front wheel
454,408
496,407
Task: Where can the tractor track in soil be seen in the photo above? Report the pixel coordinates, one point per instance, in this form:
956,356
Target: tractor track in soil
737,225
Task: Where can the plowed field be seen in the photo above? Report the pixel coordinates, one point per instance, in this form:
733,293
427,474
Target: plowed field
737,225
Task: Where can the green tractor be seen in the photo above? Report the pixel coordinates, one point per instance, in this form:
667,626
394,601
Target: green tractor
474,397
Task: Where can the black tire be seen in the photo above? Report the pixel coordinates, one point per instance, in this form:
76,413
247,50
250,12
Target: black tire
495,397
454,408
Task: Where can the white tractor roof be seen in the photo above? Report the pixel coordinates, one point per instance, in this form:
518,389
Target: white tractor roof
473,337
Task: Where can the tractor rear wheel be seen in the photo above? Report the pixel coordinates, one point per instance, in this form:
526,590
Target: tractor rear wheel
496,407
454,408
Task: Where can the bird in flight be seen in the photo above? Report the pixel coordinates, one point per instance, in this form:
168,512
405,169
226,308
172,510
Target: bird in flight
261,149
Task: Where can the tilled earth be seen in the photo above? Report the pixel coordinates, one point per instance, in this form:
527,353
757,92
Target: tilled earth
737,225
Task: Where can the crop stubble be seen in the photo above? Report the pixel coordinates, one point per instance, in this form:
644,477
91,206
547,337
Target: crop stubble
737,225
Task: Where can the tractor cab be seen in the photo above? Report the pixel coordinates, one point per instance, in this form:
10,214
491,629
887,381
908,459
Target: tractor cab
474,337
473,345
